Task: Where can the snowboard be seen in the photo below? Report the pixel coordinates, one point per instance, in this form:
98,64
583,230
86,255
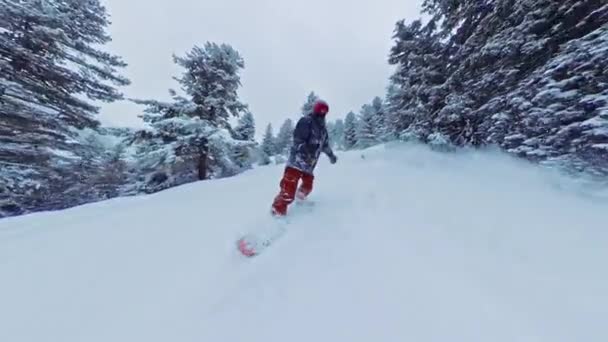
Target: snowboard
254,244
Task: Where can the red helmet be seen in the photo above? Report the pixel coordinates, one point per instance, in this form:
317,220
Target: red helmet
320,108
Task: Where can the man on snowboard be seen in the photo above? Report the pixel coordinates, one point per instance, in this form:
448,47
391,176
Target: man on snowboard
310,138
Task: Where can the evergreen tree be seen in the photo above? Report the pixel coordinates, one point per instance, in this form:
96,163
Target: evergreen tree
51,71
330,127
399,116
310,101
526,75
381,130
115,172
190,137
350,131
285,137
212,80
336,134
245,129
110,175
269,146
419,80
366,136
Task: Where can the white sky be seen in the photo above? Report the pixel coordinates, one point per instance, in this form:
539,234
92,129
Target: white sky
338,48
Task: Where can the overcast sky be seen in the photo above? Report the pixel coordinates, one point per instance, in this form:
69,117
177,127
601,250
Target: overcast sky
338,48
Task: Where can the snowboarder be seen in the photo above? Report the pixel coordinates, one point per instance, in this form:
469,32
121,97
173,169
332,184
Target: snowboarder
310,138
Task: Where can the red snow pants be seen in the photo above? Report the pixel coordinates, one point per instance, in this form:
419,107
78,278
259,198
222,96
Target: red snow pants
289,190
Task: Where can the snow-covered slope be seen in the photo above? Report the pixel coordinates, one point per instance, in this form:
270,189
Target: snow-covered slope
402,244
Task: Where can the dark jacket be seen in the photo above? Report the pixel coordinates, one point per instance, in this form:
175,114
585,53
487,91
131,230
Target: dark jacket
310,138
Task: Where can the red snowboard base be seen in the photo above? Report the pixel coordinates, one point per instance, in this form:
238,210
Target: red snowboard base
246,247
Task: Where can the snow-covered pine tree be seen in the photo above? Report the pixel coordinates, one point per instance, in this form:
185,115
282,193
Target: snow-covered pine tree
418,84
269,146
310,100
190,138
113,173
153,162
337,133
330,126
366,136
564,120
381,130
212,80
51,71
335,130
398,116
350,131
245,129
285,137
523,74
104,168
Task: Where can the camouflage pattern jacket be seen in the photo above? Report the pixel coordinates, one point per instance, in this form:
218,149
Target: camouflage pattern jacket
310,138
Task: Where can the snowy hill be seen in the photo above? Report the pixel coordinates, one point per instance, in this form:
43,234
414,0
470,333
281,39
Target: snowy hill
402,244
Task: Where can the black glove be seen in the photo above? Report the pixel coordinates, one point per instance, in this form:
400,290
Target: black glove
333,159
